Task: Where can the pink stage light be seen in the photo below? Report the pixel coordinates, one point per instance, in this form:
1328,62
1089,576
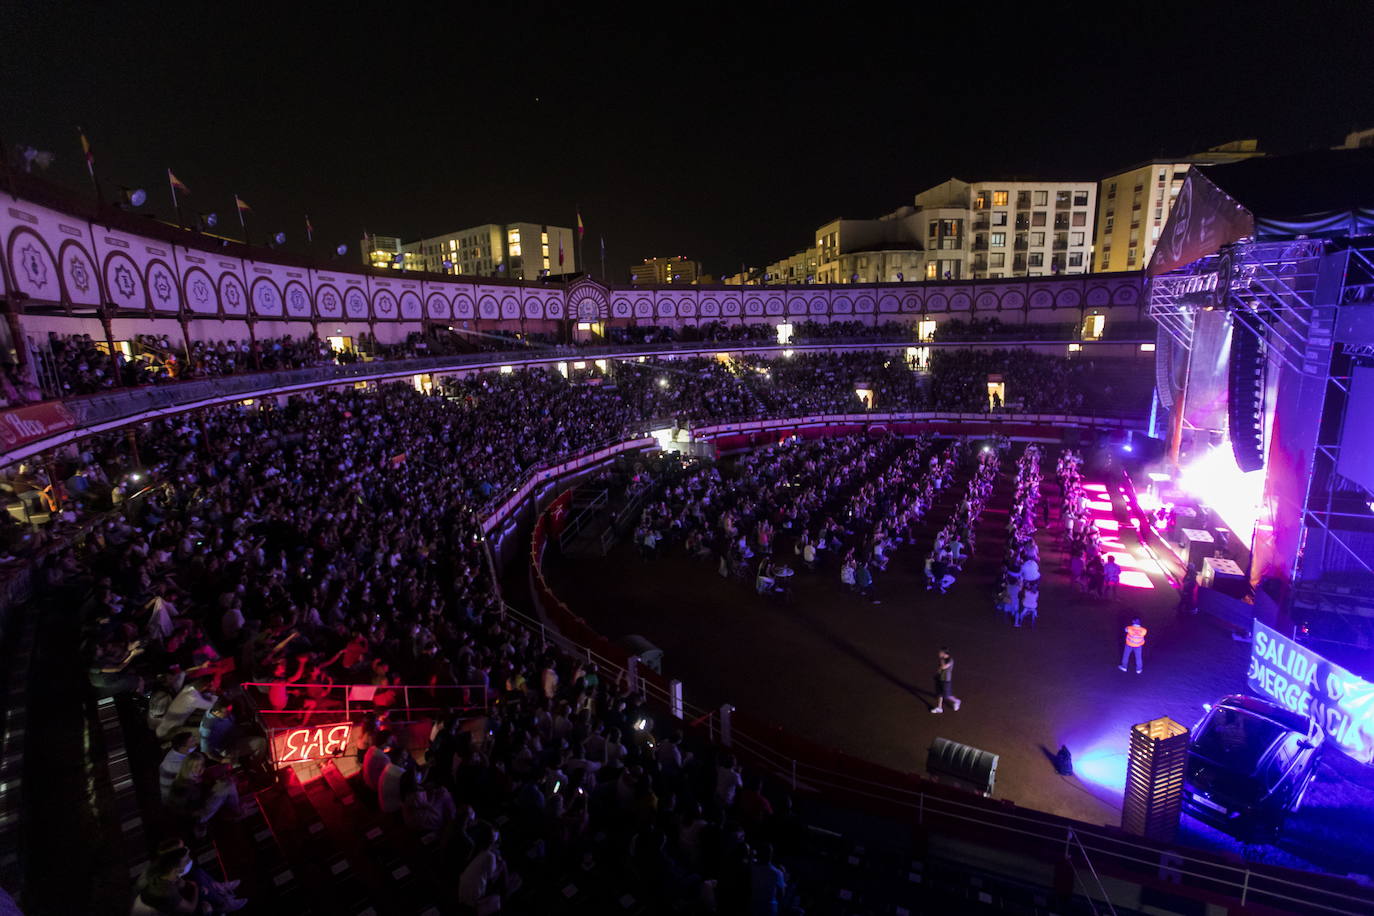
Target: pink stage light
1103,516
1134,578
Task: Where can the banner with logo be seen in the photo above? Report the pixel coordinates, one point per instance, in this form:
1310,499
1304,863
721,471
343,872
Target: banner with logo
1300,680
23,425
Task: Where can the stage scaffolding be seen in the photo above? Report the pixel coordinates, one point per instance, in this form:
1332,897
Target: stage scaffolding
1289,294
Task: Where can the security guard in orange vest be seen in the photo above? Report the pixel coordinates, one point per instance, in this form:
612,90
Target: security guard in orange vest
1135,641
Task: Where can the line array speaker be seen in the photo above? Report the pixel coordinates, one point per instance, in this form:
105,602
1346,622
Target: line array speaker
1245,397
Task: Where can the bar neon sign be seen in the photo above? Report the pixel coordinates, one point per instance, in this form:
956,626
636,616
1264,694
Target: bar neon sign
1301,681
311,743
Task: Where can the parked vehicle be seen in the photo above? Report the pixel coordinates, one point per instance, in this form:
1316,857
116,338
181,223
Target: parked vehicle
1249,765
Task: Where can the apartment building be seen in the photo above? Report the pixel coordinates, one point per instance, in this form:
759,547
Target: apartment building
666,271
513,251
1134,204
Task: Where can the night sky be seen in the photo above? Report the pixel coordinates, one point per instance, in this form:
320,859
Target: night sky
686,131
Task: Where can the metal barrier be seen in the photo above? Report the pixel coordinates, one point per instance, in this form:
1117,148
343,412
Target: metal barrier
304,702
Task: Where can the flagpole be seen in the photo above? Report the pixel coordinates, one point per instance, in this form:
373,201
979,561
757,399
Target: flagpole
581,261
90,167
242,223
176,204
603,260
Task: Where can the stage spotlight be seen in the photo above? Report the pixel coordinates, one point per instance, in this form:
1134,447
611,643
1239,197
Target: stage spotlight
1128,447
663,383
448,265
341,250
134,197
399,259
279,238
209,220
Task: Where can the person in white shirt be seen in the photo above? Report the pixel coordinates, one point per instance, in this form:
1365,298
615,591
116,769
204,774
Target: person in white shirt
728,780
172,761
485,877
186,702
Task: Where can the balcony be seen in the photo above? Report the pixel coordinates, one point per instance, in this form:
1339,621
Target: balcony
980,245
1060,245
982,224
1020,244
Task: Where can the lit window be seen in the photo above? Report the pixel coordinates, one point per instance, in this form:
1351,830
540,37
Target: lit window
1042,198
998,240
1093,326
999,198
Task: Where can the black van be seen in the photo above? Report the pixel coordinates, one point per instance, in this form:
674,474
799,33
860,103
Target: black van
1249,764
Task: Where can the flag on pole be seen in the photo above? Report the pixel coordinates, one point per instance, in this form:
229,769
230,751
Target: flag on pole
243,209
178,186
560,251
581,229
309,229
603,248
86,150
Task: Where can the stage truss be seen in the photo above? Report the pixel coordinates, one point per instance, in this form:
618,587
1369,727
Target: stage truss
1288,294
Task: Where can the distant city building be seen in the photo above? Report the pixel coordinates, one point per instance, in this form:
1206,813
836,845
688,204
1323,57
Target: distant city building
799,268
957,230
1358,139
665,271
516,251
1006,228
1134,204
380,251
869,250
748,276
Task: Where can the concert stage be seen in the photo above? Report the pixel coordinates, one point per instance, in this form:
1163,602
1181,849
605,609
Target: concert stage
1263,291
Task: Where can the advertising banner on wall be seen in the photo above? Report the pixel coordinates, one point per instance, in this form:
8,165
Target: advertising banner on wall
25,424
1300,680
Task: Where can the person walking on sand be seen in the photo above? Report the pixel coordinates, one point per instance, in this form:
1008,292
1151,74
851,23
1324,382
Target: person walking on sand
1135,642
944,682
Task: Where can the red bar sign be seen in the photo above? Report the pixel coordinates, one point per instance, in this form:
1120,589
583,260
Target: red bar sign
311,742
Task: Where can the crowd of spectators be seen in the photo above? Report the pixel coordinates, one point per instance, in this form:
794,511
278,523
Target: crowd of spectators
841,505
1019,599
1035,382
505,422
1091,568
710,331
956,540
830,330
334,541
83,365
